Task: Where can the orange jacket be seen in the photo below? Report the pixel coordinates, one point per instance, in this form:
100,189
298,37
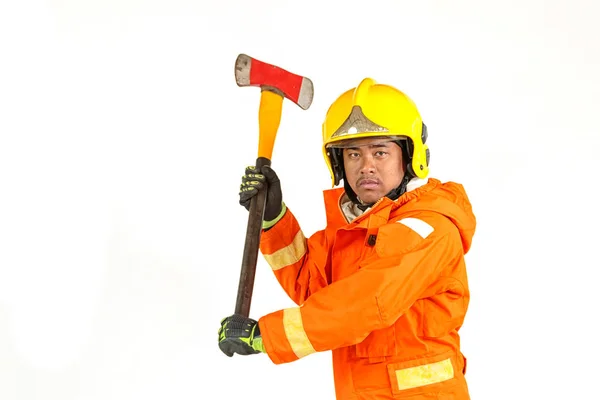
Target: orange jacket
387,293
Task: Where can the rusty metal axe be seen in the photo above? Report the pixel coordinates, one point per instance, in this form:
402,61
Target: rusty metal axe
275,84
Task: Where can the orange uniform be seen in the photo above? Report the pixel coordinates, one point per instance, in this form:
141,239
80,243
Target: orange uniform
386,293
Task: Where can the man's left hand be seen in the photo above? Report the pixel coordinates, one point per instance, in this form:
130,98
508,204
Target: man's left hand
240,335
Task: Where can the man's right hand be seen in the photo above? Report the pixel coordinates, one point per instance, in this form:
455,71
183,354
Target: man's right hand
253,181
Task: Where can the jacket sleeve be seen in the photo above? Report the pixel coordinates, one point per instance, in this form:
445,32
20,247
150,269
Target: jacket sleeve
384,287
297,262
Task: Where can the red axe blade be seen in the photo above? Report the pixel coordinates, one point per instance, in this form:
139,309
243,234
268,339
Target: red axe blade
252,72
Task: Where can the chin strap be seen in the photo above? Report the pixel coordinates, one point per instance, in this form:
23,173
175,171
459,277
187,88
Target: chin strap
394,194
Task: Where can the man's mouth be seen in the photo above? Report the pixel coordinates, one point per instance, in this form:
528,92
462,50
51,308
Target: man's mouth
368,183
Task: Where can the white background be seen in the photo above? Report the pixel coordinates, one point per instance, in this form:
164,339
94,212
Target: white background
123,138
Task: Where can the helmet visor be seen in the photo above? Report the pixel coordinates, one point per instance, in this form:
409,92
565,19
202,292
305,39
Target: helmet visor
364,141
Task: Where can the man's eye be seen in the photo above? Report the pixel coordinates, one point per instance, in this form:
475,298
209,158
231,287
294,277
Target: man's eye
352,155
380,153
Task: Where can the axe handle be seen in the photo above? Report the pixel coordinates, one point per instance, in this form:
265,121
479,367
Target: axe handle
251,247
269,117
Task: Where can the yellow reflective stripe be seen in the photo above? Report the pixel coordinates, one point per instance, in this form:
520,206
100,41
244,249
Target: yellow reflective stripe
294,331
289,254
422,375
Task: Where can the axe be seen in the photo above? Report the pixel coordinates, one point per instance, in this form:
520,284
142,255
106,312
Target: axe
275,84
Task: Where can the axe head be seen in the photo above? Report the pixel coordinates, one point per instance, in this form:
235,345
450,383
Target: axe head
252,72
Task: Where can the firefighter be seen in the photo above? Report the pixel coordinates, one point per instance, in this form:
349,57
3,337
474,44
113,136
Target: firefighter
384,285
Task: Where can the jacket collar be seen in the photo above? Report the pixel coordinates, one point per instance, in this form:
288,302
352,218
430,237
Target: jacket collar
381,210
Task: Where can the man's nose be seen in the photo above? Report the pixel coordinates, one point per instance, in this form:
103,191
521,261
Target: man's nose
368,165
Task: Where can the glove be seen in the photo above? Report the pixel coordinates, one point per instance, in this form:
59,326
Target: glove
240,335
253,181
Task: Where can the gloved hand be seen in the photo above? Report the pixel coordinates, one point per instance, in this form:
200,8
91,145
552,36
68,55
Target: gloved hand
253,181
240,335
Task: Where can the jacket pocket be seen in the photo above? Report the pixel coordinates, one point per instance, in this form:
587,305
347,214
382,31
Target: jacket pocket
433,374
444,312
378,345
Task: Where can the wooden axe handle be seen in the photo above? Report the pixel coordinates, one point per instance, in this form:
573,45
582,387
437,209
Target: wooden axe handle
251,247
269,117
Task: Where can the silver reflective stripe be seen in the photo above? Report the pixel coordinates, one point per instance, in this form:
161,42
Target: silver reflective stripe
417,225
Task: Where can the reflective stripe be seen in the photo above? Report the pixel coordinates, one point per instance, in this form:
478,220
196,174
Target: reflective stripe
422,375
294,331
418,225
289,254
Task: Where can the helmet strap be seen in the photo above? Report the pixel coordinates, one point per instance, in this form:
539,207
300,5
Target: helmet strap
393,194
337,164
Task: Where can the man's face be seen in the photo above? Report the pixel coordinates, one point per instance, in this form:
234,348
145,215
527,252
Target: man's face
373,167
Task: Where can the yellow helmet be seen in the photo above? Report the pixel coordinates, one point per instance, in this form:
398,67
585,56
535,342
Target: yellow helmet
375,110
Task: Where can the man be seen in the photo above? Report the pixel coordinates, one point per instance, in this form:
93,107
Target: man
384,285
